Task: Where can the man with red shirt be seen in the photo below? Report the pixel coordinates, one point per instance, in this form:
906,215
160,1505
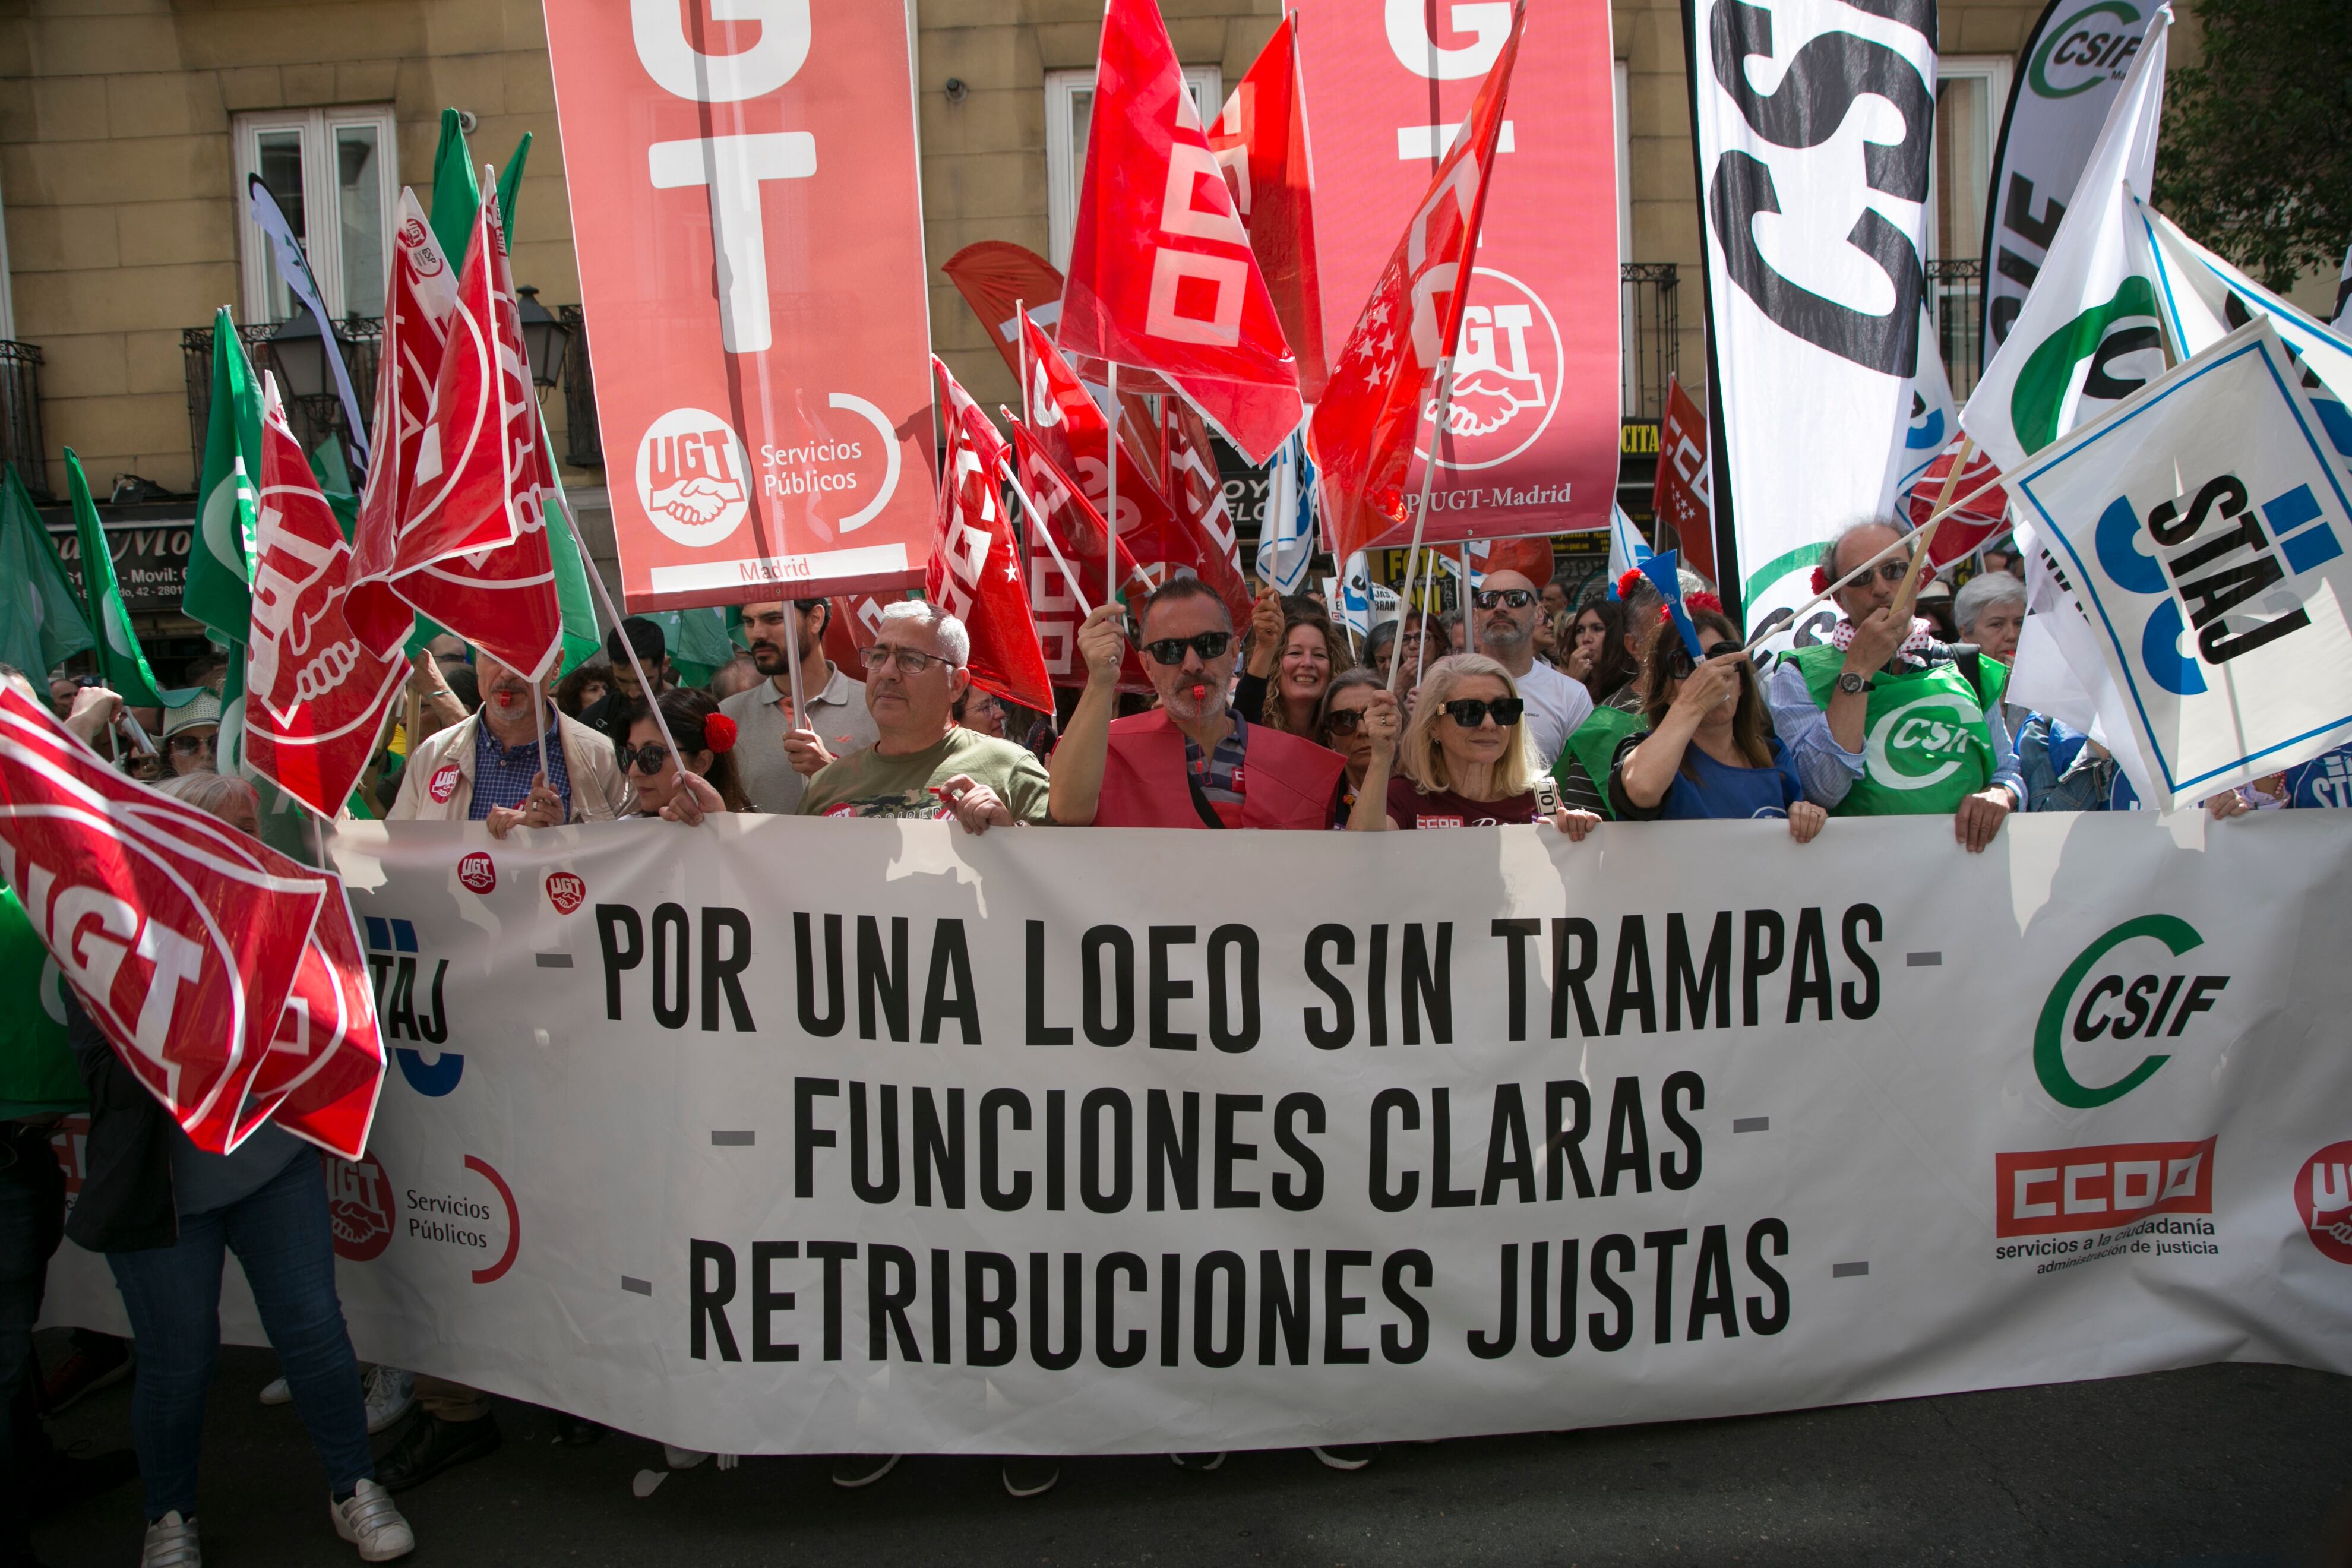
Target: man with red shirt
1191,761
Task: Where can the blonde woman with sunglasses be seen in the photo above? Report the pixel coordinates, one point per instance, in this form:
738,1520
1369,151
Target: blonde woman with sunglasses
1465,762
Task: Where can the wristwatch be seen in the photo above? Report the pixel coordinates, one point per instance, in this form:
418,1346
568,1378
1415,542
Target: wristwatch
1852,681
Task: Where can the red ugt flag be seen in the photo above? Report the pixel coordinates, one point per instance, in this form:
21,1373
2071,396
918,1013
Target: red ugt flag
315,696
1383,384
1260,141
975,571
1161,275
132,893
420,302
483,475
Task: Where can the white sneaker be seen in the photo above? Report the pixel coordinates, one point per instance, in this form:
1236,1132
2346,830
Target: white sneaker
171,1543
275,1392
390,1393
370,1520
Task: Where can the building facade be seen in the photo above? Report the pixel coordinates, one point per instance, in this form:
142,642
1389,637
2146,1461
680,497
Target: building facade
130,128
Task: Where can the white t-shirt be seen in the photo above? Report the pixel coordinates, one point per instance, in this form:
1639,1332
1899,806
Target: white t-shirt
1556,706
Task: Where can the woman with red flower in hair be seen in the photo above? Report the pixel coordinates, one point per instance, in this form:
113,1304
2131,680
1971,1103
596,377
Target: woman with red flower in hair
704,738
1709,751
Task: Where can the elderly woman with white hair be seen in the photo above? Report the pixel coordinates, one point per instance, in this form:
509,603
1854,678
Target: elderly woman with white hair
1990,613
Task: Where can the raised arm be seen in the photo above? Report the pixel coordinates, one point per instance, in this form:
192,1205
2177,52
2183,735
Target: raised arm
1077,765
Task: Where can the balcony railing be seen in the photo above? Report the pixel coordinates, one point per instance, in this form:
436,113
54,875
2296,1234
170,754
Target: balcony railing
583,446
20,414
313,419
1956,300
1653,335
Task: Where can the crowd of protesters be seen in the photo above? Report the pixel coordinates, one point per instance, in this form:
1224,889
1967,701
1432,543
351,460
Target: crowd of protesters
1538,703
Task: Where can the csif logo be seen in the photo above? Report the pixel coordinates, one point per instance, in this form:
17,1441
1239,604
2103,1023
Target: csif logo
392,958
2096,44
2111,1007
1919,744
2215,560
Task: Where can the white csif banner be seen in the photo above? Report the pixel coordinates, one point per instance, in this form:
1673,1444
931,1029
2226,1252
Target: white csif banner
779,1135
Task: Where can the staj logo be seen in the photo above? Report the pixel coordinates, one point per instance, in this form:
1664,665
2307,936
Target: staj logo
2114,1008
392,958
2216,561
2323,1200
2048,1190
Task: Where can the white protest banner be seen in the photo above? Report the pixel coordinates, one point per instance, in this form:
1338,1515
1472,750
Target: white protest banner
781,1135
744,193
2201,524
1813,242
2072,66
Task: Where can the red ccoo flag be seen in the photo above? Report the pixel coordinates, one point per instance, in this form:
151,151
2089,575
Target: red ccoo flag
1260,142
996,278
420,302
1066,537
1680,498
975,571
1382,386
315,696
483,473
181,936
1162,277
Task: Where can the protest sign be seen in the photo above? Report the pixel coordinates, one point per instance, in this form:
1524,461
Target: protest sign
1537,377
2201,524
783,1136
772,433
1815,236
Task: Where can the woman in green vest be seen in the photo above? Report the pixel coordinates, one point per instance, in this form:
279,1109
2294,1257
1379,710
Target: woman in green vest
1884,720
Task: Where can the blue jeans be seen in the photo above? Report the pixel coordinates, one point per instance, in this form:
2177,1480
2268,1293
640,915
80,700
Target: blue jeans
173,1294
32,1219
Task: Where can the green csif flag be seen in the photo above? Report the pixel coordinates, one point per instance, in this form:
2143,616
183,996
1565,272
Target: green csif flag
218,593
41,620
119,663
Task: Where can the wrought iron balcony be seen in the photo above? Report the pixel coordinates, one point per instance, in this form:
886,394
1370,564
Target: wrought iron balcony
20,416
312,419
1956,299
1652,328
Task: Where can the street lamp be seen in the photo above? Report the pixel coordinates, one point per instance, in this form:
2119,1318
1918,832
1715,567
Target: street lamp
544,338
301,356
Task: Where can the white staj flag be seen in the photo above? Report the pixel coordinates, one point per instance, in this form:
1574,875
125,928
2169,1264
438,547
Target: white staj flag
1286,541
1814,125
2088,337
2202,523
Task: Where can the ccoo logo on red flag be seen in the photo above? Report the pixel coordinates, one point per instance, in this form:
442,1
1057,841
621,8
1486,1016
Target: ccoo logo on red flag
127,888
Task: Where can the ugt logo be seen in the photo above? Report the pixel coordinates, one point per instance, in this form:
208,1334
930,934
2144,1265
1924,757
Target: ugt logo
2117,1009
2217,559
691,477
392,956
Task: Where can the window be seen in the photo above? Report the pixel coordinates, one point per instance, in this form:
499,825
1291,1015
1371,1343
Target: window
1069,108
334,174
1971,92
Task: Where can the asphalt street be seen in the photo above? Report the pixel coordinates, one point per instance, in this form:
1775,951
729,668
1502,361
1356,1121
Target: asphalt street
2235,1467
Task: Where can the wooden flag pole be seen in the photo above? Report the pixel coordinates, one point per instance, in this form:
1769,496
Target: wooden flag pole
1908,593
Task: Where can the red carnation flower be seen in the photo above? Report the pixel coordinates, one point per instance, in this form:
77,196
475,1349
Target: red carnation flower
1703,600
719,733
1821,579
1629,581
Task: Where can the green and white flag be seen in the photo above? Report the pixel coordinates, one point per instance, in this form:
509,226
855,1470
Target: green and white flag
696,641
119,663
219,592
41,620
2087,336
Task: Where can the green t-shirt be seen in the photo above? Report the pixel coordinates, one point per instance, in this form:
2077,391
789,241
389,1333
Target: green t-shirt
37,1067
867,784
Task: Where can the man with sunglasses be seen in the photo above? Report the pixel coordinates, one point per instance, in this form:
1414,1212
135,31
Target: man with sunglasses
1504,608
923,763
776,750
1883,720
1191,761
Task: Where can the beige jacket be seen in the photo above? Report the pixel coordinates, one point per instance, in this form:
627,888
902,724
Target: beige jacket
598,791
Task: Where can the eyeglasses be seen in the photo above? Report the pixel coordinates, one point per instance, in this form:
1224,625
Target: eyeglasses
648,759
1888,571
909,661
1208,644
1471,711
1679,663
194,745
1343,721
1491,599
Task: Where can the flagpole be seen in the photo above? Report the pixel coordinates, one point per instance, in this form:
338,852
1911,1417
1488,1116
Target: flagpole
1908,593
793,661
1111,517
1037,523
539,720
596,581
1419,522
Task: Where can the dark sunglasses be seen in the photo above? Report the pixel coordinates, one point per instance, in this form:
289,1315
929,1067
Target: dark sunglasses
1208,644
1343,721
194,745
1679,663
648,759
1491,599
1471,711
